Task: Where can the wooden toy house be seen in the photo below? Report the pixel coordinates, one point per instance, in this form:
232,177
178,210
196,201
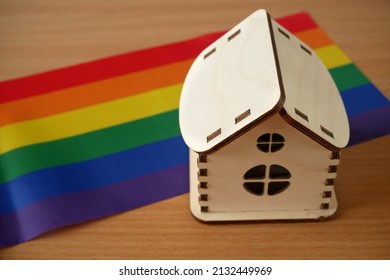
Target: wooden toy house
265,123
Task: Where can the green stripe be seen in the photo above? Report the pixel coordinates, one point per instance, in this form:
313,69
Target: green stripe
88,146
348,76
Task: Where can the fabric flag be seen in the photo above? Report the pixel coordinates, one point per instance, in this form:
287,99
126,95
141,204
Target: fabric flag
95,139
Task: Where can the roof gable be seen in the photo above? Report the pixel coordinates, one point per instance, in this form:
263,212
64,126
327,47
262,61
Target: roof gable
231,84
253,71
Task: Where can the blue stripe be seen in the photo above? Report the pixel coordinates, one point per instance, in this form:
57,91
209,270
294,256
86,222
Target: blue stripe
362,99
91,174
91,204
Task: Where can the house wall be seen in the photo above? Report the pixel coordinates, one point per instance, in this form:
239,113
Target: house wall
307,161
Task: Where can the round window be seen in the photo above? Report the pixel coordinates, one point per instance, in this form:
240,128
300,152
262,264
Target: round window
270,142
256,182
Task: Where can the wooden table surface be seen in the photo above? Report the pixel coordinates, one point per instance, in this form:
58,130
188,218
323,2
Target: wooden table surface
41,35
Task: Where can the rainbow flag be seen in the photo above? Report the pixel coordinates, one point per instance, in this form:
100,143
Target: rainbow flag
95,139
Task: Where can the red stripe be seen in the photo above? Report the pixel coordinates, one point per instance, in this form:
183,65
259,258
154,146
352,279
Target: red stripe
297,22
104,68
122,64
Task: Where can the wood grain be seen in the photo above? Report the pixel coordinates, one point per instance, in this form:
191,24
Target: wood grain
40,35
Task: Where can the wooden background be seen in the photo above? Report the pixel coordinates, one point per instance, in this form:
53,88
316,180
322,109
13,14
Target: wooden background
40,35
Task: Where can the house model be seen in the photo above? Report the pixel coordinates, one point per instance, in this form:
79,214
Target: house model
265,123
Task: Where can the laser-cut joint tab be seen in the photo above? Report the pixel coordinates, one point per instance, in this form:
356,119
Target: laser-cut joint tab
202,185
235,34
202,172
305,49
324,206
202,158
284,33
329,182
327,194
244,115
214,135
209,53
302,115
332,169
203,197
335,155
327,132
204,209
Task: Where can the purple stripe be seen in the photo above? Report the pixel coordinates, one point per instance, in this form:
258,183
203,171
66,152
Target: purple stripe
362,99
369,125
78,207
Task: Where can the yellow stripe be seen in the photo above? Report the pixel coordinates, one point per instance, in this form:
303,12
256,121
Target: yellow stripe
89,119
332,56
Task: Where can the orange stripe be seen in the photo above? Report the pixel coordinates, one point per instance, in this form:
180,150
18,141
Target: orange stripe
314,38
93,93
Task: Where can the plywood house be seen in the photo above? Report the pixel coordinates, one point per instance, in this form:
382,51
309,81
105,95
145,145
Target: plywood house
265,123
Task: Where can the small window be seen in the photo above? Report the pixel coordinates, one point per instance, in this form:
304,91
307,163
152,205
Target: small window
270,143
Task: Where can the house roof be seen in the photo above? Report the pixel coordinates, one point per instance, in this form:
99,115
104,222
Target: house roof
255,70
